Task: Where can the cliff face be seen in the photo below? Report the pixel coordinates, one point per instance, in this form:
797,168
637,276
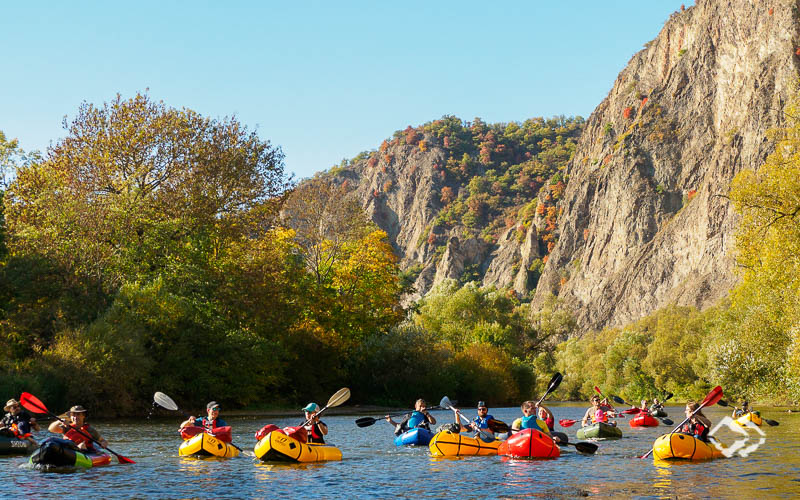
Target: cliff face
645,221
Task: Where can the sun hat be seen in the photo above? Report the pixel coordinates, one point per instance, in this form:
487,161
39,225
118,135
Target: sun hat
481,404
77,409
211,405
11,402
311,407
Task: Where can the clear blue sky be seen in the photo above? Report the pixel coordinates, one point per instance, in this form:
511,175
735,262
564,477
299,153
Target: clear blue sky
323,80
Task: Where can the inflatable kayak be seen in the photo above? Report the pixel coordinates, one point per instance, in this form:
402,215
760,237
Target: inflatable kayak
205,445
414,437
529,443
15,446
61,455
684,447
750,417
278,447
643,420
449,444
600,430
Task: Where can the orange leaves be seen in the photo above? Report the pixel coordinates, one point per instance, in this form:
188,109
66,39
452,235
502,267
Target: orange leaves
540,209
387,186
557,189
626,113
771,10
586,233
411,135
384,146
550,246
691,194
447,195
644,101
423,146
372,162
607,159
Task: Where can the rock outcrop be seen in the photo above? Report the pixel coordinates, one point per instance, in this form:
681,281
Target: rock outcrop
645,220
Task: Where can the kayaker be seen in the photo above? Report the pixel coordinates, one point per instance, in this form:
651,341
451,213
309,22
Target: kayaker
546,415
209,422
316,428
698,425
606,406
18,422
418,418
480,422
596,413
644,405
656,406
744,410
529,420
77,416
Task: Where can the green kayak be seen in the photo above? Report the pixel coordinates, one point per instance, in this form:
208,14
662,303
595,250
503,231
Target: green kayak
600,430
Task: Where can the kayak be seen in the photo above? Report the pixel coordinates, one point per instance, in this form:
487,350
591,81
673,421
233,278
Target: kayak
643,420
278,447
205,445
600,430
449,444
15,446
658,413
683,446
414,437
749,417
61,455
529,443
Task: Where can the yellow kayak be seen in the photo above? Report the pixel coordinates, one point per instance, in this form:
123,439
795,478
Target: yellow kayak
278,447
448,444
206,445
749,417
683,446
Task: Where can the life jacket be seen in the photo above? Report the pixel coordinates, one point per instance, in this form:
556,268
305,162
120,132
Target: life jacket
599,416
18,433
417,419
533,422
482,422
209,424
76,437
697,430
315,434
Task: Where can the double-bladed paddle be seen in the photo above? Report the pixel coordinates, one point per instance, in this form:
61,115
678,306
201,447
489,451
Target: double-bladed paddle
446,403
711,399
771,423
630,411
367,421
167,403
32,403
338,398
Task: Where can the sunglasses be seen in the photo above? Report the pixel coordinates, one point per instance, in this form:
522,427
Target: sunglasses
216,408
483,409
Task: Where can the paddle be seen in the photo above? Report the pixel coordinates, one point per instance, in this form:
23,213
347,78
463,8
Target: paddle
167,403
616,399
32,403
485,436
367,421
338,398
554,383
771,423
711,399
565,422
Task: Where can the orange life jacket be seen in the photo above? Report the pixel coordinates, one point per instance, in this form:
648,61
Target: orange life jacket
76,437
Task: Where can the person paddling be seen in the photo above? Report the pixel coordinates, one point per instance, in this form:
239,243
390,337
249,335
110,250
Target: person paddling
698,425
596,413
529,420
546,415
656,406
316,428
480,422
18,422
77,416
418,418
209,422
744,410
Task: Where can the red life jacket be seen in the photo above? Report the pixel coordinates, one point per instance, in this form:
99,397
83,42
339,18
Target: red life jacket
17,432
209,424
314,434
78,438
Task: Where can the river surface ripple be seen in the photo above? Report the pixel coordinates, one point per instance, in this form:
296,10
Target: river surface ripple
373,467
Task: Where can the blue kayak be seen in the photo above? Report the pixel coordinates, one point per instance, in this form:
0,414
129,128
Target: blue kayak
417,436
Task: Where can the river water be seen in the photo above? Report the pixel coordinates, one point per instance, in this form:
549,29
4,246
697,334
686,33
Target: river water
373,467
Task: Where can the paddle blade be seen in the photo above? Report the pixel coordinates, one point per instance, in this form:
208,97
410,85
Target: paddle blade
667,421
498,426
340,397
445,402
123,460
366,421
597,390
618,400
554,383
713,397
669,395
584,447
32,403
164,401
771,423
564,422
722,402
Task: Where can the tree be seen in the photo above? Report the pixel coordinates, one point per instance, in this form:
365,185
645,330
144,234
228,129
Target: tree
136,187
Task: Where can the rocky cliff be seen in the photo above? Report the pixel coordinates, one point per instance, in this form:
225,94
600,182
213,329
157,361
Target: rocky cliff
644,220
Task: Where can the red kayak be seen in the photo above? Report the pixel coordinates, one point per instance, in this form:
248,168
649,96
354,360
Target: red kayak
643,420
529,443
221,433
